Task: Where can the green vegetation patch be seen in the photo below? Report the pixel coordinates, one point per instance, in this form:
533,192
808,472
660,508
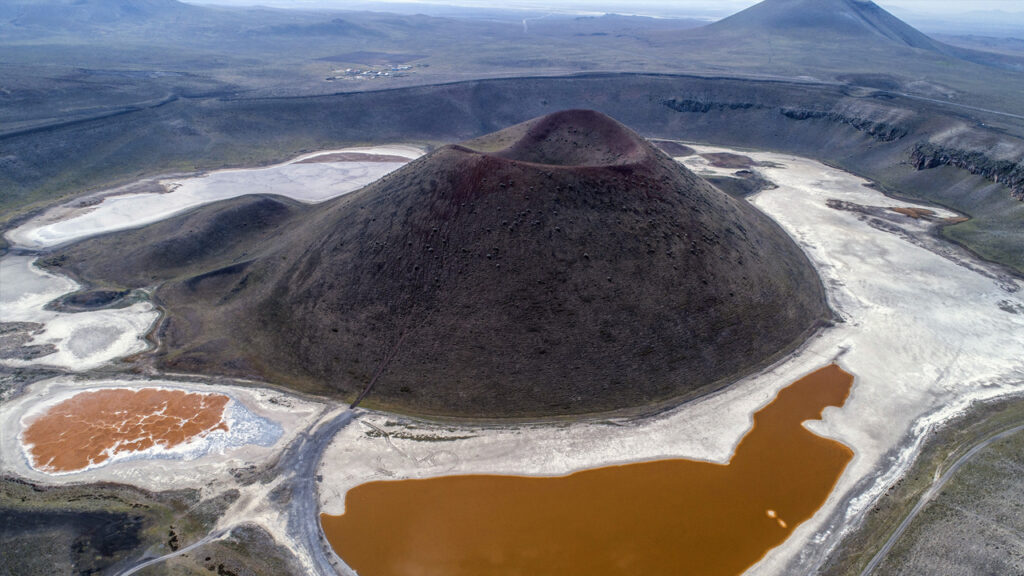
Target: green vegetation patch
942,448
92,528
974,525
247,551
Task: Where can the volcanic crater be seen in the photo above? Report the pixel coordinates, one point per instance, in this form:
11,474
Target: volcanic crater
560,266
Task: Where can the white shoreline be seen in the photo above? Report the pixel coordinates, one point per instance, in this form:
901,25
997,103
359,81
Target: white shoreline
81,340
119,210
235,416
159,469
923,337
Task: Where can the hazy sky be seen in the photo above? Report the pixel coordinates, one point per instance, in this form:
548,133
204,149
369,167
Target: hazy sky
656,7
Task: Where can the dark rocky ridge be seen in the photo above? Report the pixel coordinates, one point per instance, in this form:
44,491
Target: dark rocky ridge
455,112
883,126
559,266
927,155
880,131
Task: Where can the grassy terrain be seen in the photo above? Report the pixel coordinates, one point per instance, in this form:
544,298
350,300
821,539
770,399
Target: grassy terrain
993,232
956,533
247,551
974,525
105,528
91,528
133,96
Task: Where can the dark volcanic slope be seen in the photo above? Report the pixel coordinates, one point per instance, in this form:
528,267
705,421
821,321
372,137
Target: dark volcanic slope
559,266
860,19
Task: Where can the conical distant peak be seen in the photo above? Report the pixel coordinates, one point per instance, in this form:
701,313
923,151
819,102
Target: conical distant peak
849,18
566,138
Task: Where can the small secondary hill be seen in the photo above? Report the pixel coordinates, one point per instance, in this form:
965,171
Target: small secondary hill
209,238
859,19
561,266
573,138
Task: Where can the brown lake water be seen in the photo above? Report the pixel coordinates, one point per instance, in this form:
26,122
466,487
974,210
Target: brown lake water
651,518
90,427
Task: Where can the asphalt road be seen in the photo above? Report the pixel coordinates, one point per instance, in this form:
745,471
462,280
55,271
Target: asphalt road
300,461
297,465
935,488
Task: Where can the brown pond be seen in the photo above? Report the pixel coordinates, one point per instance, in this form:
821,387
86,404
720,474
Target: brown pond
91,426
915,213
650,518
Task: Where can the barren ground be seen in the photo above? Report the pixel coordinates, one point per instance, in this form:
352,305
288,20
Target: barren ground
925,329
924,334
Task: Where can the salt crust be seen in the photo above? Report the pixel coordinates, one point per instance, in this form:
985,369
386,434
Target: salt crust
243,427
305,182
923,336
260,421
87,340
81,341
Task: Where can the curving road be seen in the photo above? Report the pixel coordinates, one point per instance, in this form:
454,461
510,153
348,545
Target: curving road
297,465
935,488
209,538
300,461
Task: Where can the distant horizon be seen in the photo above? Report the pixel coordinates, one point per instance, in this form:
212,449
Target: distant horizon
930,8
1000,18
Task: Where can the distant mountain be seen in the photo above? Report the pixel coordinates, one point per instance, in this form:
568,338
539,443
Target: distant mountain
997,23
71,14
332,27
848,19
559,266
838,39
